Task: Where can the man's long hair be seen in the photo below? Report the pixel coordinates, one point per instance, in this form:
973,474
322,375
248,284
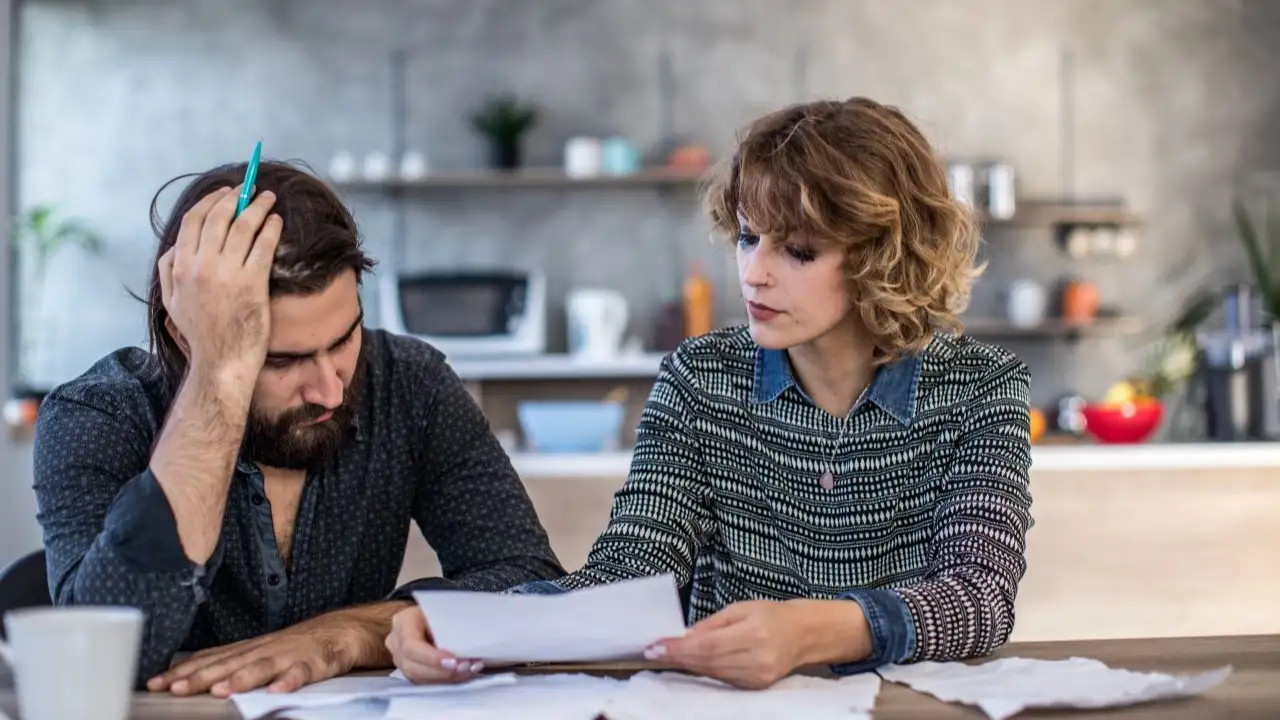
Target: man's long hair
318,242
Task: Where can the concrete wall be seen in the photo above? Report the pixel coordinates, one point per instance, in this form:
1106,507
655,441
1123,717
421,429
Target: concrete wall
1173,103
18,530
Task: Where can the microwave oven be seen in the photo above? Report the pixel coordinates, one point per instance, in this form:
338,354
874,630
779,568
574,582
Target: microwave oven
469,313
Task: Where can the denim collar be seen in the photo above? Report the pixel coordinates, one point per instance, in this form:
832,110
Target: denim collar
893,389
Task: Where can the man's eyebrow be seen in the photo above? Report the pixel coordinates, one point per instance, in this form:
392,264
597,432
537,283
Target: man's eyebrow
304,355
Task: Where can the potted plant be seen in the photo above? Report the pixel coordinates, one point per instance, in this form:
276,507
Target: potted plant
39,233
503,121
1263,253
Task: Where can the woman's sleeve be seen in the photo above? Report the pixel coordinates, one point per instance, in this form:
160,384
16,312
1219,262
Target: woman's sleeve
964,607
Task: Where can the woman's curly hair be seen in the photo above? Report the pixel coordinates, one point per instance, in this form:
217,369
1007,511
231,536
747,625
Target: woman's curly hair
859,174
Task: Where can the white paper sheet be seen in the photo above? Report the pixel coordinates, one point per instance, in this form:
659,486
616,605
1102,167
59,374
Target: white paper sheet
558,697
648,696
609,622
350,689
363,709
1003,688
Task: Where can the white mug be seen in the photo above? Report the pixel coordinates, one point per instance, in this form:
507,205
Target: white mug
377,166
72,662
583,157
1027,303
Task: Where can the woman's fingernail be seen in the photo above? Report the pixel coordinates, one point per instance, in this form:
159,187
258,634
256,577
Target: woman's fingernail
477,666
654,652
464,667
448,663
179,687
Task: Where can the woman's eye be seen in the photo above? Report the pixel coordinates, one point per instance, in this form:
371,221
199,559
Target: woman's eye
746,239
803,254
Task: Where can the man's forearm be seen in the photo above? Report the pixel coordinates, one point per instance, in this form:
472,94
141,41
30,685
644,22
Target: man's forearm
362,631
196,454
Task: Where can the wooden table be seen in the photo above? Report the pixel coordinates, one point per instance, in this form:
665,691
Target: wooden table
1252,691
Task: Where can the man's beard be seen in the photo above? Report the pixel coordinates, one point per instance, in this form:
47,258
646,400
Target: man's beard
290,441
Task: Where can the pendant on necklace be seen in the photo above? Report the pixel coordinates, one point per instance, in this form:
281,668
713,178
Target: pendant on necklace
827,481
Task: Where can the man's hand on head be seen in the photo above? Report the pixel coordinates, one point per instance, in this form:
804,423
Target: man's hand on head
283,661
214,283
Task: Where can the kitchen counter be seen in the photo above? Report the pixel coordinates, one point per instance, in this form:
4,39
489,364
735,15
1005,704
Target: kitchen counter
1044,458
1128,541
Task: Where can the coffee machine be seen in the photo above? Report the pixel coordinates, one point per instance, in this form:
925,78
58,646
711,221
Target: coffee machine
1239,370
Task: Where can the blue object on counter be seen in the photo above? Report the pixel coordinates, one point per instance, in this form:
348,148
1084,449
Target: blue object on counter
568,426
620,156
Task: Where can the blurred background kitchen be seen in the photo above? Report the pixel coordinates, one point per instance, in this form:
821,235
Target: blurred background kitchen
525,171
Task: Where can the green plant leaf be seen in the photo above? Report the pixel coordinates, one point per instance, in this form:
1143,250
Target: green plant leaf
39,231
1257,258
1194,312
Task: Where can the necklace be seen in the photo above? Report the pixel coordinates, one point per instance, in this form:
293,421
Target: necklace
828,479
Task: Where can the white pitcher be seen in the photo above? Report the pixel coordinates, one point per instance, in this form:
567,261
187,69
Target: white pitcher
597,320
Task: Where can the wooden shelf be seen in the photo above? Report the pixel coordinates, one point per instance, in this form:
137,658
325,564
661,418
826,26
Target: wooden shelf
991,328
1041,212
558,366
526,178
1031,212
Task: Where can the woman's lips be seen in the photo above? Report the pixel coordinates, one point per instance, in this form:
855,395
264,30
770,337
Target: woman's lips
761,313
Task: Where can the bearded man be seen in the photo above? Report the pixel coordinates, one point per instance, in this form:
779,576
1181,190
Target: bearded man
248,483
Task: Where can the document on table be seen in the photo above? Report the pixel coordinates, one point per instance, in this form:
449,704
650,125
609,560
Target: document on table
1003,688
531,697
356,694
652,695
608,622
647,696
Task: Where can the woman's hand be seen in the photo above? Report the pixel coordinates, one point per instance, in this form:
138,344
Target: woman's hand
754,644
418,658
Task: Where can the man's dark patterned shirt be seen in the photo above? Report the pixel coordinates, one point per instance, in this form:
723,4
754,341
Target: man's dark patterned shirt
420,450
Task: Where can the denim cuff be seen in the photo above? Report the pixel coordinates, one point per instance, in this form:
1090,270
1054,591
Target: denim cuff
537,587
143,533
893,632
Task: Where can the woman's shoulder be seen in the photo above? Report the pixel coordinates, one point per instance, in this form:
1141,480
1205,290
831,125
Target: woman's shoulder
718,360
961,365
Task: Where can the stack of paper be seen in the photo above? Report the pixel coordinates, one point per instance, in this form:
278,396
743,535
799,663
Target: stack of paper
357,696
608,622
1006,687
618,621
648,696
563,697
1001,689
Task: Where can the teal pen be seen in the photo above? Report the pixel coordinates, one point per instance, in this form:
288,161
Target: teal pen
250,177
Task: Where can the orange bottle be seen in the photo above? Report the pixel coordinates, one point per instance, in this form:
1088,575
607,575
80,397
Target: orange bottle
1079,302
699,311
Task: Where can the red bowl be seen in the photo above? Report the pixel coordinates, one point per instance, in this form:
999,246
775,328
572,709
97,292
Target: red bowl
1123,423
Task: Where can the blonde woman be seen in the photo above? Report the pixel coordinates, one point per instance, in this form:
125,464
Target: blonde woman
844,481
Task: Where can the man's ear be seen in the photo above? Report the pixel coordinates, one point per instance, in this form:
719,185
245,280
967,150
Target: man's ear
177,336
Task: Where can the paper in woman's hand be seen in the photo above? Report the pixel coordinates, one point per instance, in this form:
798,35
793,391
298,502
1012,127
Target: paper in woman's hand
609,622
